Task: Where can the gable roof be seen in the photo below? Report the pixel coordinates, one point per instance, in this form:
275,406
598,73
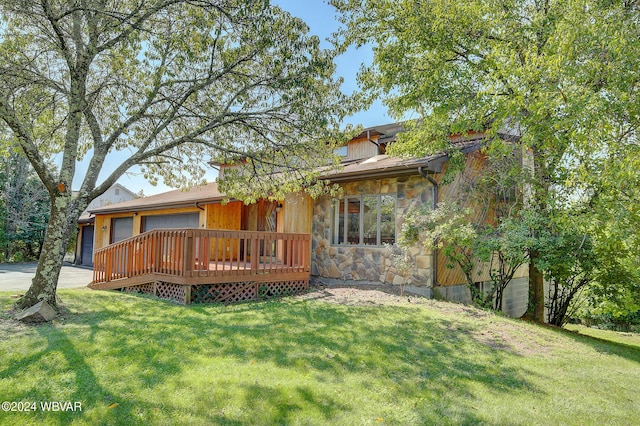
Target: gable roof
208,193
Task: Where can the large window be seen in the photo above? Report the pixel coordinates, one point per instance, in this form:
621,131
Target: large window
368,220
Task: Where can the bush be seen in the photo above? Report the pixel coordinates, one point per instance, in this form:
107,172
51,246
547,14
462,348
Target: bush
608,321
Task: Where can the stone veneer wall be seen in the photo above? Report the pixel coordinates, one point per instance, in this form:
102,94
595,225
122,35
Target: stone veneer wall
366,263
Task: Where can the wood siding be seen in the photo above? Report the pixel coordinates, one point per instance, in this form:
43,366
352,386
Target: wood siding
361,148
227,216
103,222
481,214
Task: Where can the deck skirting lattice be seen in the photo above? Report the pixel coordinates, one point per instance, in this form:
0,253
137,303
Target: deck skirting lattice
149,288
242,291
224,292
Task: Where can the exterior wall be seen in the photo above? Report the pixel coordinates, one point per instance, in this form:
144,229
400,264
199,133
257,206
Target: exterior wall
297,214
115,194
361,148
103,222
227,216
366,263
514,301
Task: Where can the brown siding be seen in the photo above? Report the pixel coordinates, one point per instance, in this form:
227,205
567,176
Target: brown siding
228,216
361,148
447,193
297,214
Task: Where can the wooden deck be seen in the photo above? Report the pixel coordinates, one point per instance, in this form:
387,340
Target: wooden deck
185,258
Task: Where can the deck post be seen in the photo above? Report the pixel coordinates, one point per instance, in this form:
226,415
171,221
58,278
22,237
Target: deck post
255,253
187,294
189,260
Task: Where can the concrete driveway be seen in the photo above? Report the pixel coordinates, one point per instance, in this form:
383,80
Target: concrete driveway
18,276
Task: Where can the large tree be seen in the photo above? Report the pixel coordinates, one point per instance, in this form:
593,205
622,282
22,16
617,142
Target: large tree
162,84
560,75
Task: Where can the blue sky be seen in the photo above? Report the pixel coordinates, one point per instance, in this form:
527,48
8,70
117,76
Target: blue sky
320,17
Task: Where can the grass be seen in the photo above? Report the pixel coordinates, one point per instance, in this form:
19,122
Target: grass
136,360
624,338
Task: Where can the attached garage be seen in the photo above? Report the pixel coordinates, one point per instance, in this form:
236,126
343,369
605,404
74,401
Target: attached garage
171,221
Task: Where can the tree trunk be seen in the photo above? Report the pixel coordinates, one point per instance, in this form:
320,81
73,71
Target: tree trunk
64,215
535,312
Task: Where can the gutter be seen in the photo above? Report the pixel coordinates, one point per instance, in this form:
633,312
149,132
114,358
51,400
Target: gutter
434,185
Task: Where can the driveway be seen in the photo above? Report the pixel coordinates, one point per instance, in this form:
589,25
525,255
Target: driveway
18,276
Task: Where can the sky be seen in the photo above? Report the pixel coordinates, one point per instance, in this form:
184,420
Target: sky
320,17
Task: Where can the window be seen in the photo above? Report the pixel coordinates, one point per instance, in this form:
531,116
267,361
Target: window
343,151
366,220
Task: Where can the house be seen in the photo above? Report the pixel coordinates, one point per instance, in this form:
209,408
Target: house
334,239
84,243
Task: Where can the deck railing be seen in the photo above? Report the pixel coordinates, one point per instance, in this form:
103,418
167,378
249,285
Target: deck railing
197,256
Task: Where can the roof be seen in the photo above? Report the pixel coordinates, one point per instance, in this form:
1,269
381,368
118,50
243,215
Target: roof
385,131
383,165
373,167
176,198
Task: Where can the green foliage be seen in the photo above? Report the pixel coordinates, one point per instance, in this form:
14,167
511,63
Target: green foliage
557,79
568,261
447,229
172,83
24,210
505,247
502,248
167,86
542,70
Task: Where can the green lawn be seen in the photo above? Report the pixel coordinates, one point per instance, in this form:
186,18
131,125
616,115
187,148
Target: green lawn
136,360
622,337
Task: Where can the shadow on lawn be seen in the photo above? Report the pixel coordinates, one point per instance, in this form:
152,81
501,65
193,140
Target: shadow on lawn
610,347
405,354
86,389
428,369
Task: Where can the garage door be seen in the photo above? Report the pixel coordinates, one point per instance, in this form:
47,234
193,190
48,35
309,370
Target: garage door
86,253
121,228
171,221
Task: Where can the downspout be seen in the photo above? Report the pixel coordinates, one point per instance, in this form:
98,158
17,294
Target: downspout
434,186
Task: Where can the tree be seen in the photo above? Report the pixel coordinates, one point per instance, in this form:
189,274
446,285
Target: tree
24,208
560,76
163,84
500,248
448,229
609,213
